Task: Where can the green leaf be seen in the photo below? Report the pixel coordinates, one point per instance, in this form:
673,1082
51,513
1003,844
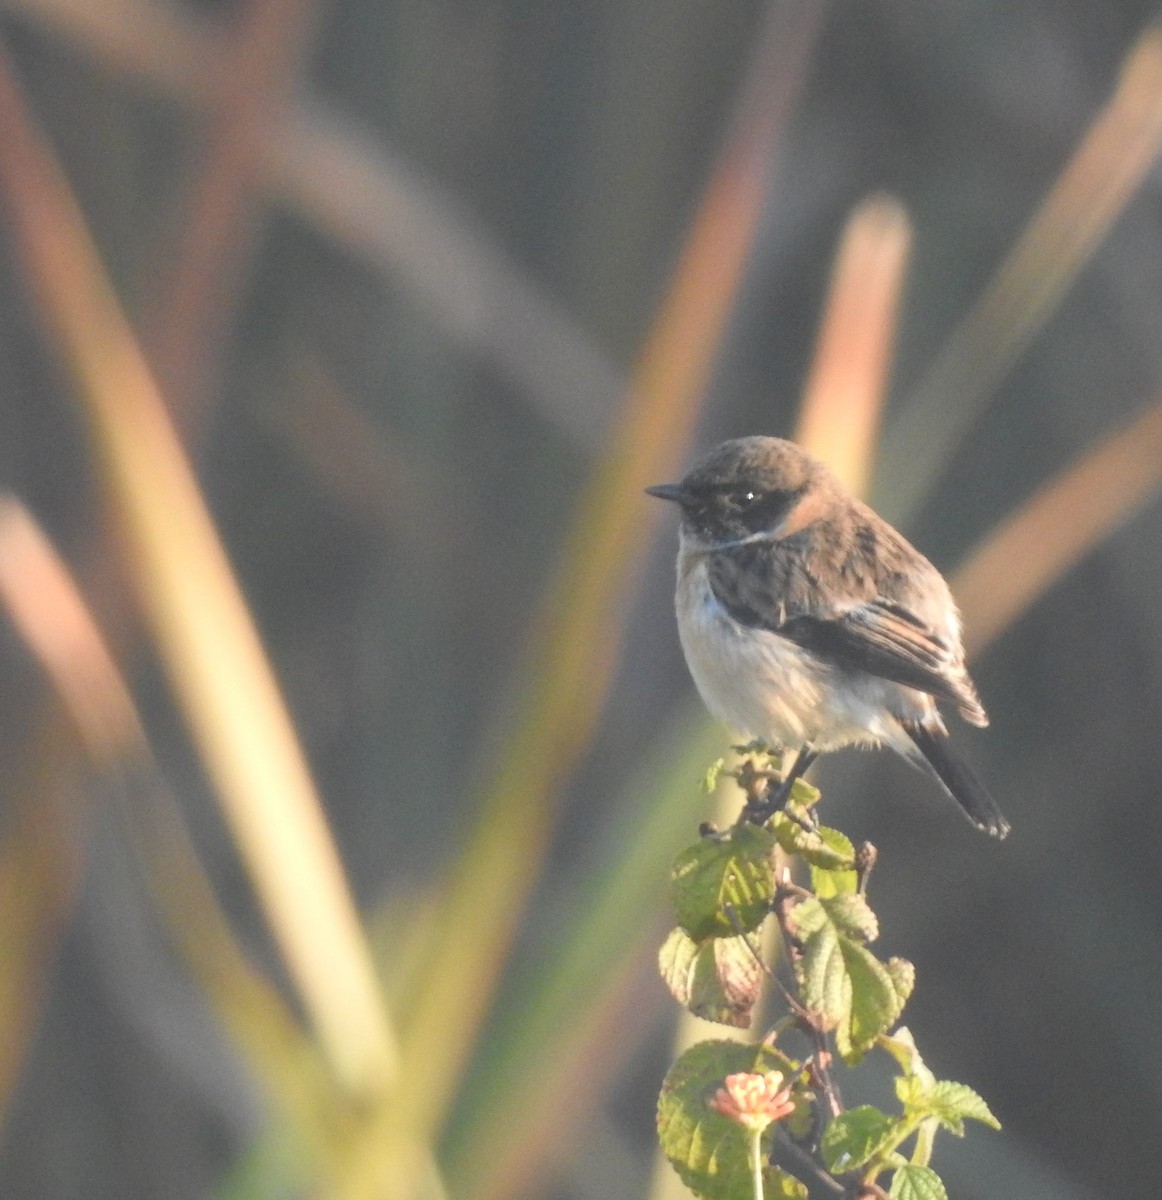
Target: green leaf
735,869
852,916
903,975
827,882
856,1137
824,985
875,1004
911,1182
809,844
840,980
709,1151
950,1103
717,979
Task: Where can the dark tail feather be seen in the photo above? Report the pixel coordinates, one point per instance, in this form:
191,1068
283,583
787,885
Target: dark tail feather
958,778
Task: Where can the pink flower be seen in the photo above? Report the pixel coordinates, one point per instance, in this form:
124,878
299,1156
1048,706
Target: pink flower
754,1100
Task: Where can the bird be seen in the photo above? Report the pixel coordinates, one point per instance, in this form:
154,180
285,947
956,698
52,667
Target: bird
809,623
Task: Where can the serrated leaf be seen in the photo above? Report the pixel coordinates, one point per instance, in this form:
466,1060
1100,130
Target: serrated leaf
810,844
735,870
852,916
718,979
875,1006
903,975
856,1137
911,1182
840,980
824,985
827,882
710,1152
951,1104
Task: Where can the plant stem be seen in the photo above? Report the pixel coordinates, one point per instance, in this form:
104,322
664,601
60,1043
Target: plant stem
922,1153
756,1162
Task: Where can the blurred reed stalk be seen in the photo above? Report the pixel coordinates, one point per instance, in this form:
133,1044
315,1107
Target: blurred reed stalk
1105,171
550,1053
41,853
347,184
1069,515
843,398
48,612
574,645
41,867
203,630
248,93
50,615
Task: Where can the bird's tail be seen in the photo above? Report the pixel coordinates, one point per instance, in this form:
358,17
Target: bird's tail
959,779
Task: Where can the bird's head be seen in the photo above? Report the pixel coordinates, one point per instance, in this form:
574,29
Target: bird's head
747,490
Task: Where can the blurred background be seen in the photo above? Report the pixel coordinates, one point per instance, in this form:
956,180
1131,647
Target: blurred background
347,740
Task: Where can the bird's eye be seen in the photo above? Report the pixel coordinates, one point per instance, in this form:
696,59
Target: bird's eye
743,498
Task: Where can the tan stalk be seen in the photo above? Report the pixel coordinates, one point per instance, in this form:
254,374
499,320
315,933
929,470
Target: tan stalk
1104,173
376,203
41,866
51,616
575,643
839,417
1031,549
203,629
251,90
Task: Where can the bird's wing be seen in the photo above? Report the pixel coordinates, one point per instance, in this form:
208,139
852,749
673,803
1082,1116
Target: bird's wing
884,639
858,633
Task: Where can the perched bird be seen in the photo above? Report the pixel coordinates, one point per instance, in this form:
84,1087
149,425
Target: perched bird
807,621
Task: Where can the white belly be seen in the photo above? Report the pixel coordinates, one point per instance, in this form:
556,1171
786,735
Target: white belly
765,686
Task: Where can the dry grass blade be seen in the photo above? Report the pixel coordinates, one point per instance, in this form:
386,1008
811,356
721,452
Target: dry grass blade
40,871
552,1057
49,614
41,862
574,646
199,618
843,398
1070,515
150,41
254,78
41,867
1106,170
351,187
377,204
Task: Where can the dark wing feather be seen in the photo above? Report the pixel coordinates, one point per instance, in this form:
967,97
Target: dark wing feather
857,630
881,639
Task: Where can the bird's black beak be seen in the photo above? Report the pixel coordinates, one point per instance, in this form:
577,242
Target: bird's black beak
669,491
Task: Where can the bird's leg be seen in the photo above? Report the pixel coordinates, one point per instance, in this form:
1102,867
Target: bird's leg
776,800
803,760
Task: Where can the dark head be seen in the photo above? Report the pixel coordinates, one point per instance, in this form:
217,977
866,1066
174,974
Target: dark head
749,487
